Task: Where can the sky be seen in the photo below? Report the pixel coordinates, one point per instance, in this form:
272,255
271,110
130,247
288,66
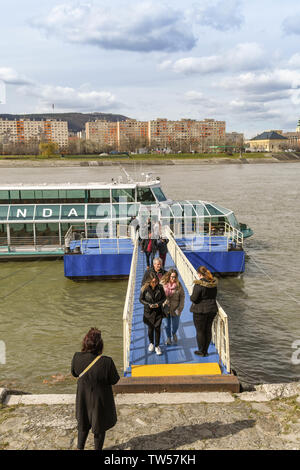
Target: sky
232,60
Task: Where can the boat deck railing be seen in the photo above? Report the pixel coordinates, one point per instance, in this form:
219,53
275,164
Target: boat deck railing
220,330
223,236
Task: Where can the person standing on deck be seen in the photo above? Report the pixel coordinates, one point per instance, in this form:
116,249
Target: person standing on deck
149,247
152,297
175,302
204,308
163,249
95,405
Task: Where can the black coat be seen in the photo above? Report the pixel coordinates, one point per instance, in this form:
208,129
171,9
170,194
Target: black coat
145,243
149,296
95,405
204,296
162,246
159,275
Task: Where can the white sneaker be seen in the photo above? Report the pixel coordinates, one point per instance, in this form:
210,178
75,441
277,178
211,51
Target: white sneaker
158,351
151,347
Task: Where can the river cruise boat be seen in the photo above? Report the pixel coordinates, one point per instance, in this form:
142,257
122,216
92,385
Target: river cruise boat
44,219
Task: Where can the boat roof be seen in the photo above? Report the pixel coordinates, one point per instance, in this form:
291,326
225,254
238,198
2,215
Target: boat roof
92,185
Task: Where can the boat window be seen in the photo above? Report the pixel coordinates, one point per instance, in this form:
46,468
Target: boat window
3,234
159,194
15,197
145,196
101,211
21,212
3,212
232,221
72,212
46,212
99,195
24,231
213,210
27,197
4,197
123,195
64,228
47,233
75,195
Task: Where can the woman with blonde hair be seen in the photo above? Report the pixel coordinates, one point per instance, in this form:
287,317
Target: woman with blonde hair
174,303
204,308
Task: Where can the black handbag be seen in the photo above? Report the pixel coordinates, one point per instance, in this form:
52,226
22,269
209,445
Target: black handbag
166,309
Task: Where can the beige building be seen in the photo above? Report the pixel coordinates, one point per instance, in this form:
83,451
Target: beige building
235,139
159,132
269,141
26,130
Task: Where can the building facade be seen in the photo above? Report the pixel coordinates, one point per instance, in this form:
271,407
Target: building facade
269,141
26,130
160,133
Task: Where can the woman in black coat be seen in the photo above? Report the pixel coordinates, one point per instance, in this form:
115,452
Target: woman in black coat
152,297
204,308
95,405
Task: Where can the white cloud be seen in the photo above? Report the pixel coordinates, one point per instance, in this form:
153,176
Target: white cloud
67,98
291,24
294,61
264,83
10,77
144,27
222,15
245,56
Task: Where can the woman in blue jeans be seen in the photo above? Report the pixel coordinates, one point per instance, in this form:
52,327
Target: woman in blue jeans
175,302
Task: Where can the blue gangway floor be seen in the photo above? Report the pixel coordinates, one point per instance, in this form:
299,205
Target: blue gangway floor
103,246
180,353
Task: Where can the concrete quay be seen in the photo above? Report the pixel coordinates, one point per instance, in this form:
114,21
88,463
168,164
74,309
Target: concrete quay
265,418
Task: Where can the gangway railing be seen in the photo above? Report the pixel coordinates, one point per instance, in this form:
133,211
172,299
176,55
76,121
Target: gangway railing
220,331
128,306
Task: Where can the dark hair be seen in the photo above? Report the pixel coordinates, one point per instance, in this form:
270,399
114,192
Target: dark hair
150,278
92,342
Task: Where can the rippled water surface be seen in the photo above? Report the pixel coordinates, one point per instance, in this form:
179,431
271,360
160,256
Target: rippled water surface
44,316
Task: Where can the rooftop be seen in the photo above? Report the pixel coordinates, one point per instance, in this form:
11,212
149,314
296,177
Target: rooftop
269,135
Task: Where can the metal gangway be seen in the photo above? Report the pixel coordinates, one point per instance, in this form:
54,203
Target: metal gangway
176,359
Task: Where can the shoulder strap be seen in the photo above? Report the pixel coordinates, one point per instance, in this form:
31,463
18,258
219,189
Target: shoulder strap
89,366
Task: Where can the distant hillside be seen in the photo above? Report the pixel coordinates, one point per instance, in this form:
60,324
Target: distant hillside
76,120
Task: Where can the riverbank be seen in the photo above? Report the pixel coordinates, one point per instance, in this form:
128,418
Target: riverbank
94,161
267,418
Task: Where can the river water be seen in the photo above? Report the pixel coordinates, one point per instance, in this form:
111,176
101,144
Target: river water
44,316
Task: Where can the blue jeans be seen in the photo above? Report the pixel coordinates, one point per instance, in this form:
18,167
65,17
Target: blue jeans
171,325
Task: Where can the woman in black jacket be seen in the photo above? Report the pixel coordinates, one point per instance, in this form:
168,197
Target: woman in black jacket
152,297
204,308
95,405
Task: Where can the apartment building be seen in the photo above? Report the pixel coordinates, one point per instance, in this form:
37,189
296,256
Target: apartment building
159,132
26,130
235,139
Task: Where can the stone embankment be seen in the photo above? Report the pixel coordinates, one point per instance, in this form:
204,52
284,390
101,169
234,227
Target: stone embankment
87,162
267,418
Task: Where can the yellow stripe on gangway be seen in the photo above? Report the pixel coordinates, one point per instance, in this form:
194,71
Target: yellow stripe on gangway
160,370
